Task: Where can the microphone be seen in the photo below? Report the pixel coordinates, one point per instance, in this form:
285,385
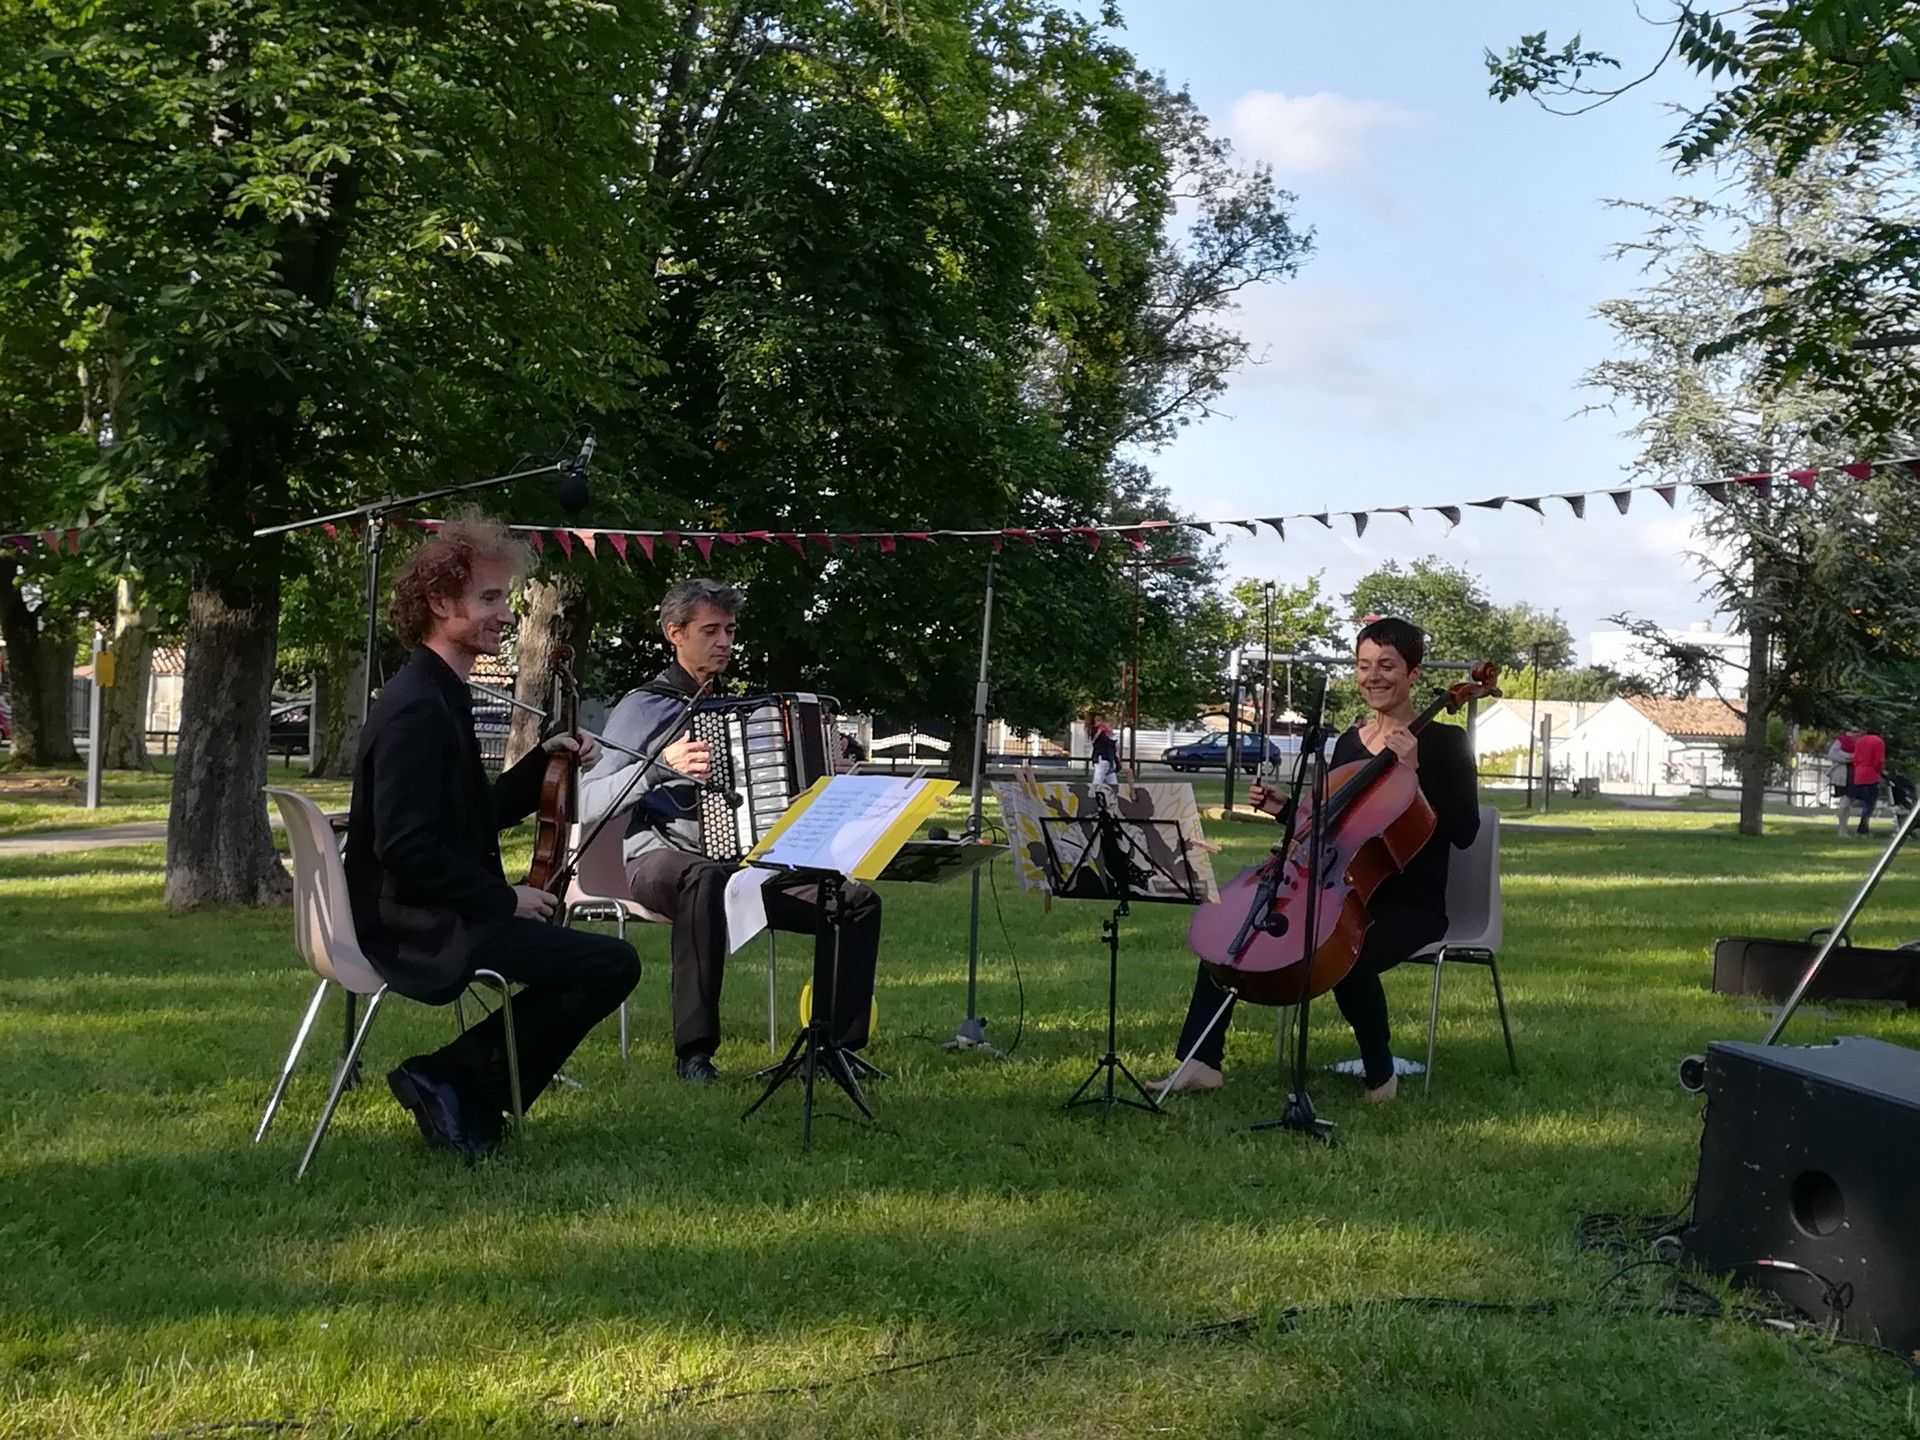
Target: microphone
573,493
937,832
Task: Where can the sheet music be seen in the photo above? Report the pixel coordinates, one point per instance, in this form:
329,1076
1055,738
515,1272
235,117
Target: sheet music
844,822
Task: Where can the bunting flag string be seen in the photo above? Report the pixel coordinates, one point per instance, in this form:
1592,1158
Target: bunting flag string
626,542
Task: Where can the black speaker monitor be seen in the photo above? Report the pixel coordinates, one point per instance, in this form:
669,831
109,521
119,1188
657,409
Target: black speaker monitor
1811,1157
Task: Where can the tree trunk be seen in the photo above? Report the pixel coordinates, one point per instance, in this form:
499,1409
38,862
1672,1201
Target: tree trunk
123,705
960,750
557,614
219,849
337,688
39,679
1753,744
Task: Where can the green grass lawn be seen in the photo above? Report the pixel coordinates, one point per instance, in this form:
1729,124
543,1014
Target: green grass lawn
125,796
975,1263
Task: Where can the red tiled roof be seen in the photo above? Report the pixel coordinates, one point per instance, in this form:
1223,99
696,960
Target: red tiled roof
1694,719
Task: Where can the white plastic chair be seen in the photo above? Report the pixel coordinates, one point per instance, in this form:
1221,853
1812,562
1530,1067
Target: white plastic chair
323,934
598,894
1473,927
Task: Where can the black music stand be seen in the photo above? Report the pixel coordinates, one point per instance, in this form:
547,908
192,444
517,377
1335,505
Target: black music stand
814,1050
1107,860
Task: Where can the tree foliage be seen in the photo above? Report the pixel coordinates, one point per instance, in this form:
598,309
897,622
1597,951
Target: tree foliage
1800,83
1460,620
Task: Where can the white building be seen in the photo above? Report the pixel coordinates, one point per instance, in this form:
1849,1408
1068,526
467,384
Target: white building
1626,653
1504,725
1654,746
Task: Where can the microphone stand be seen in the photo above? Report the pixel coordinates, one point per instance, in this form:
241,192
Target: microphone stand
1299,1114
374,513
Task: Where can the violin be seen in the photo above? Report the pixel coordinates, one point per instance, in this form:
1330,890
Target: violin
559,785
1372,822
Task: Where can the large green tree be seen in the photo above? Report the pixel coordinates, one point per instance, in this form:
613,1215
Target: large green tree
332,241
1792,81
1821,578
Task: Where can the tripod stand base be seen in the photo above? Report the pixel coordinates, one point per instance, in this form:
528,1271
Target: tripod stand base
972,1035
1108,1065
1300,1118
812,1055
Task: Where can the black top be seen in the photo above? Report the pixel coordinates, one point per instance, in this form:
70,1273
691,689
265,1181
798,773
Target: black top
423,850
1105,747
1449,779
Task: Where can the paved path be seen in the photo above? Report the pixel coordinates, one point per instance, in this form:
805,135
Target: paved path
101,837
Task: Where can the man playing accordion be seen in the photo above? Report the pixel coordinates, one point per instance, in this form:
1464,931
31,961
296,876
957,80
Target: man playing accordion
667,870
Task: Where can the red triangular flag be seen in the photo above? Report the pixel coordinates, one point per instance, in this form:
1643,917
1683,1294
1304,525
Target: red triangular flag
539,543
1621,499
822,539
587,538
920,535
51,539
645,542
1139,545
1859,470
1804,478
704,544
566,542
333,531
670,539
1025,537
791,541
852,539
619,542
727,537
887,543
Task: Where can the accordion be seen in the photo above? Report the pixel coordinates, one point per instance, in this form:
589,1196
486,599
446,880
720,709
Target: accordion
767,749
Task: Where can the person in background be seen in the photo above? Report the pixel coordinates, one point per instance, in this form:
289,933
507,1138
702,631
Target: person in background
1840,775
1106,751
1869,765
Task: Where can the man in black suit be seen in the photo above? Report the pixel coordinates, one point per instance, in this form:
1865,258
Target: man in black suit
431,902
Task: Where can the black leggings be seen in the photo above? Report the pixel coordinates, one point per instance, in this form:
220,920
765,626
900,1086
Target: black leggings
1393,936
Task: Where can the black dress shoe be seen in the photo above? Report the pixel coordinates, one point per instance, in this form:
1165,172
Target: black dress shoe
697,1070
446,1120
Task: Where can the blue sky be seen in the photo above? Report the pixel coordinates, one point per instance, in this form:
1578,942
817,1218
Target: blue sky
1431,348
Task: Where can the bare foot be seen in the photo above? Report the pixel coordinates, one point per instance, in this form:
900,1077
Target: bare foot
1196,1076
1380,1094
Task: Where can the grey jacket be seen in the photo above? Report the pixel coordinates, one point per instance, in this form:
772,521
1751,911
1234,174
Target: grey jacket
663,806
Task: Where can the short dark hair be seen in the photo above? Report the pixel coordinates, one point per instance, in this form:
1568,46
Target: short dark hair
1389,632
678,605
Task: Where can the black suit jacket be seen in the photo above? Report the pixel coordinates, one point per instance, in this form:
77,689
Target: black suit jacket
423,847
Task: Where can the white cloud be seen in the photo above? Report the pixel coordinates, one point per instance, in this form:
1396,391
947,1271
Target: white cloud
1318,134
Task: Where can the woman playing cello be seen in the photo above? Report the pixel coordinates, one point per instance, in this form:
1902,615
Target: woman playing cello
1409,910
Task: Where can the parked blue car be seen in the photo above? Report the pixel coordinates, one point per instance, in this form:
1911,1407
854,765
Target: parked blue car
1211,753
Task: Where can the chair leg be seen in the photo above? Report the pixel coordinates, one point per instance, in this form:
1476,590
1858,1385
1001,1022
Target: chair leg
293,1058
620,929
1433,1021
773,994
1500,999
513,1048
340,1078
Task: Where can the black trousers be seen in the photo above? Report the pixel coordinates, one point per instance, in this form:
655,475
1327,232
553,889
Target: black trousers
572,981
1393,936
691,889
1866,796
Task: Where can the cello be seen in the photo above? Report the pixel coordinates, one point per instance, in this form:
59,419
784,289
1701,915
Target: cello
1372,822
552,866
